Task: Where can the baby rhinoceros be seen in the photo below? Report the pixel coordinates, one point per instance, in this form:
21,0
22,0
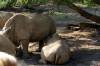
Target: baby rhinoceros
56,51
29,28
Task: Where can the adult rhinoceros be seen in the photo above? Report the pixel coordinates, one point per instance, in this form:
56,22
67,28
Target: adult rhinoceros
25,29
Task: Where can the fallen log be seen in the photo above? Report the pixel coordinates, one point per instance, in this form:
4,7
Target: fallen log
84,13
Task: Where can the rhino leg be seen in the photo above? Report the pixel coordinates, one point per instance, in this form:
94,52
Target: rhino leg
24,48
41,44
19,52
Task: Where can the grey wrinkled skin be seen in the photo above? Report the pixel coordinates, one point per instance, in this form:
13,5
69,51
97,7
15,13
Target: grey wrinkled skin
6,45
25,29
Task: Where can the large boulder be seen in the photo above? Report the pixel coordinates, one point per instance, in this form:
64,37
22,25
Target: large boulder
29,28
56,51
4,16
7,59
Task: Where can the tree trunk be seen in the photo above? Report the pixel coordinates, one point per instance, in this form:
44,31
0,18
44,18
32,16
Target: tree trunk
84,13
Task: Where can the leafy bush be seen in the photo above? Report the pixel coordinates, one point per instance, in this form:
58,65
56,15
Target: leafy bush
7,3
20,3
3,4
89,3
30,3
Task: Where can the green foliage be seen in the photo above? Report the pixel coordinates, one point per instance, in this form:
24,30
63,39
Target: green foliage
20,3
89,3
85,2
30,3
7,3
3,4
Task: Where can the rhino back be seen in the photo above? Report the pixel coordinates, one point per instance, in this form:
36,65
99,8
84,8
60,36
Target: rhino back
36,27
43,25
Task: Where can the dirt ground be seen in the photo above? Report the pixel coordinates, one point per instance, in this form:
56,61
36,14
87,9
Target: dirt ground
84,45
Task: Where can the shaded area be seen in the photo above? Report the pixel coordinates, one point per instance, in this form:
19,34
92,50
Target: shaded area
87,52
85,13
